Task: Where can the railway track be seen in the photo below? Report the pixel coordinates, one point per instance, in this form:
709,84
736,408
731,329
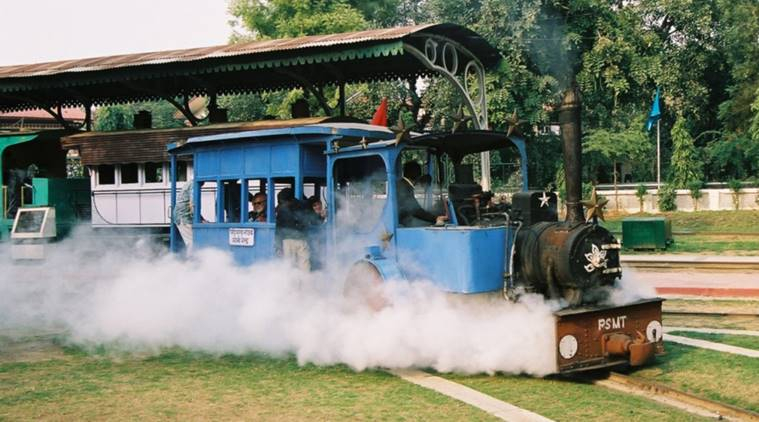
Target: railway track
670,396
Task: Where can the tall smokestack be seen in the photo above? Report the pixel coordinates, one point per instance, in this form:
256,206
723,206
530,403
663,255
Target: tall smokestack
571,133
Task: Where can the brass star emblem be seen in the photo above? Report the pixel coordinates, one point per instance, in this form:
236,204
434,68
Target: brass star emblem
459,119
513,124
402,132
594,207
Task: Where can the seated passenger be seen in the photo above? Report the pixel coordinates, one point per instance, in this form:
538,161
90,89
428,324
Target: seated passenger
410,213
258,213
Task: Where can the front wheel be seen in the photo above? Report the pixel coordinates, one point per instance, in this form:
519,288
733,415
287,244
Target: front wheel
363,285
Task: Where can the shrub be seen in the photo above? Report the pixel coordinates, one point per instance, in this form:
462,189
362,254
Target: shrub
667,196
695,192
641,192
735,186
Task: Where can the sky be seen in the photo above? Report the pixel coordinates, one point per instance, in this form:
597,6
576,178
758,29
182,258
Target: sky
35,31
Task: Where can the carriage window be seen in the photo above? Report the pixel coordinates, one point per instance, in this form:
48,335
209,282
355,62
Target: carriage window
106,174
232,204
360,192
207,204
181,171
129,173
153,172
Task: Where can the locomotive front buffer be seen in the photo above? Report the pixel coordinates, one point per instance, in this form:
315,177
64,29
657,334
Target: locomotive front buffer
605,336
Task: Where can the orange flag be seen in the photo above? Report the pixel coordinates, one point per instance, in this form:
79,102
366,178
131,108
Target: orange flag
380,116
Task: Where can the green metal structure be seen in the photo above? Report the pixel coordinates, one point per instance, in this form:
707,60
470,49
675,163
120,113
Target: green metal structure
646,232
69,196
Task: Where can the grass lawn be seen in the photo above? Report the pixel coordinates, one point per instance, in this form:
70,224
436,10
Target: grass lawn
738,222
182,385
714,232
747,342
569,400
718,376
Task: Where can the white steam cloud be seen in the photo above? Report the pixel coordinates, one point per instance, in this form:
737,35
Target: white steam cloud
132,297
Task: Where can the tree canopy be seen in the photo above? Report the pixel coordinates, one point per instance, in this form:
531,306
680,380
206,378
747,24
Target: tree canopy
702,54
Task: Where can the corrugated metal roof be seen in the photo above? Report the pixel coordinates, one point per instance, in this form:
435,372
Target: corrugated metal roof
202,53
265,65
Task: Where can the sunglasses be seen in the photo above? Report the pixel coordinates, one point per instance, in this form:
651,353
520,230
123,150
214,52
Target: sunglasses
259,203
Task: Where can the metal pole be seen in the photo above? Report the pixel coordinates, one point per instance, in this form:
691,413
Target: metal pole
658,155
485,168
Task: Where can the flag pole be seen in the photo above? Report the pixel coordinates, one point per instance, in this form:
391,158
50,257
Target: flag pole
658,155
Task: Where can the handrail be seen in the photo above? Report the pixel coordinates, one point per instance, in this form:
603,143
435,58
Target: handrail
5,202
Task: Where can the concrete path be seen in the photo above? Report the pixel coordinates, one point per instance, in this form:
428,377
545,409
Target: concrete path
497,408
713,331
703,344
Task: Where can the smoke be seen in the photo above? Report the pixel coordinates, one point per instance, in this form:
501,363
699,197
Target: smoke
130,297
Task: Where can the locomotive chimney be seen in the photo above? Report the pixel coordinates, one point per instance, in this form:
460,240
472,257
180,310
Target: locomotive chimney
569,120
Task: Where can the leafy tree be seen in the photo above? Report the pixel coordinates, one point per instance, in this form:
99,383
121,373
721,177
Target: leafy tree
293,18
629,145
120,117
694,188
686,166
735,187
667,198
640,192
738,26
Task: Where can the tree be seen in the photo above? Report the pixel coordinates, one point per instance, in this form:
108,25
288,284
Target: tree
667,198
261,19
640,193
630,145
686,166
694,188
119,117
735,187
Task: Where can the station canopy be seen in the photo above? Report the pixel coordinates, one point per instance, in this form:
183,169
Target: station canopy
265,65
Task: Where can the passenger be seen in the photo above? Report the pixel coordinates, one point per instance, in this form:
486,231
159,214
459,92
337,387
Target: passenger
258,214
290,239
318,208
315,226
410,213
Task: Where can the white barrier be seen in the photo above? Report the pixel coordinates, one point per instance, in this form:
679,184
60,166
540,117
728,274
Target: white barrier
712,199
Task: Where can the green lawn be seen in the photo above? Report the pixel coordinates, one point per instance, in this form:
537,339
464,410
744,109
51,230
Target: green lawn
739,222
182,385
718,376
713,232
570,400
748,342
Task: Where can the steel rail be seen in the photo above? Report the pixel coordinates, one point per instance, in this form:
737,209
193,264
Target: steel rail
677,398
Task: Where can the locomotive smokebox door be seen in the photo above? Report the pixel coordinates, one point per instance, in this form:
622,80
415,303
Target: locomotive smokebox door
534,207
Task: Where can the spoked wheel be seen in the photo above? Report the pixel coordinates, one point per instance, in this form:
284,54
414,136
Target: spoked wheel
363,284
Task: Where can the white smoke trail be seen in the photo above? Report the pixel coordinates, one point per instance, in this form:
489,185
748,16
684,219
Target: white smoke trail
128,297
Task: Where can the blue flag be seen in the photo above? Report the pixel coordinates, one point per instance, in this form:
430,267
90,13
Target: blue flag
655,113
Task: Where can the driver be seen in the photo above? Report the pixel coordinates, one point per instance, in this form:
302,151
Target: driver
410,213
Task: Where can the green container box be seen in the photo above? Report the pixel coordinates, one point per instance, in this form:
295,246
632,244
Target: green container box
646,232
